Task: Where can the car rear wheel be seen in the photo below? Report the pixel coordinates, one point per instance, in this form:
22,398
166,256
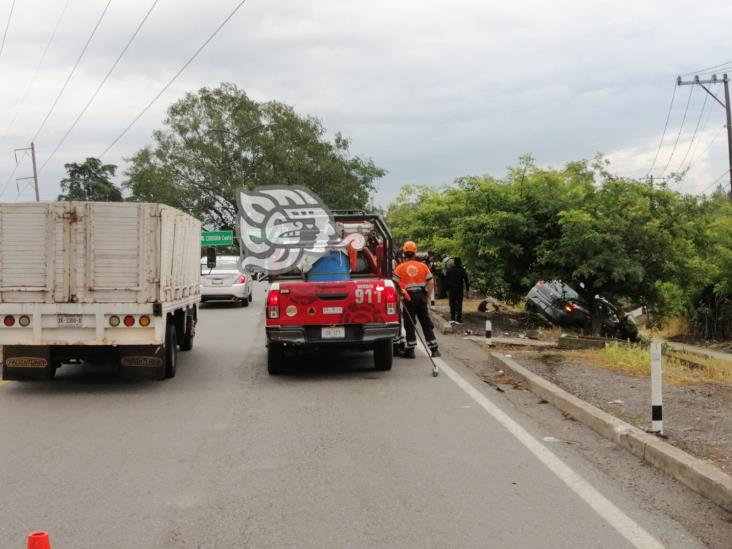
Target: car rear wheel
245,301
275,359
383,354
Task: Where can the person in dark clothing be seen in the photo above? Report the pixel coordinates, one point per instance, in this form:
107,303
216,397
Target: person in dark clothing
456,279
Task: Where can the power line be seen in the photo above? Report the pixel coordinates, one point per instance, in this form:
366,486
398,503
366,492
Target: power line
101,84
10,177
678,136
35,73
709,69
701,132
180,71
696,129
73,70
715,182
663,135
698,156
7,26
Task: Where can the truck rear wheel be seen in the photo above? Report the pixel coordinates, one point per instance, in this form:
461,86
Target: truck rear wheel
186,343
171,351
275,359
383,354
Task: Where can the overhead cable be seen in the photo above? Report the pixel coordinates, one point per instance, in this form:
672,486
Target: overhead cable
681,128
7,26
175,76
28,88
73,70
100,86
665,127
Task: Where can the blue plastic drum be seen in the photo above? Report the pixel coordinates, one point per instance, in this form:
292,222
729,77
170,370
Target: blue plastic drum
332,267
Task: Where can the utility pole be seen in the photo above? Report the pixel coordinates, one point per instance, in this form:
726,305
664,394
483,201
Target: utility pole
726,106
32,149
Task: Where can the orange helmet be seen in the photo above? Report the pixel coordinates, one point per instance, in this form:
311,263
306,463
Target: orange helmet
410,246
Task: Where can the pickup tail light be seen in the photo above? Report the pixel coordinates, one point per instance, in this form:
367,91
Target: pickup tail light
390,296
242,279
570,307
273,304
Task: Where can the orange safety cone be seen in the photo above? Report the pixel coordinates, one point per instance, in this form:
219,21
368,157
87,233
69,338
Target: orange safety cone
39,540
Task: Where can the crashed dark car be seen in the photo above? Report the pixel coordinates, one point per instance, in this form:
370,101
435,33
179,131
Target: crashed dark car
560,304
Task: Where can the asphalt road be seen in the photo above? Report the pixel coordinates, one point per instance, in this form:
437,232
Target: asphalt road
333,455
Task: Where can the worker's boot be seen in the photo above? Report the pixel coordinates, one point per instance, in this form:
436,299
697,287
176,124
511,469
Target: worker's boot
436,353
408,353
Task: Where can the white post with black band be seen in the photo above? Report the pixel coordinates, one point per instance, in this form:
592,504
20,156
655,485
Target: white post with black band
656,389
488,332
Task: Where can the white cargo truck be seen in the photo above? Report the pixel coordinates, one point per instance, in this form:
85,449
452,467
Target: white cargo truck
98,282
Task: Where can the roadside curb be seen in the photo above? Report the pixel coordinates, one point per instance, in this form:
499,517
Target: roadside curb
443,325
700,476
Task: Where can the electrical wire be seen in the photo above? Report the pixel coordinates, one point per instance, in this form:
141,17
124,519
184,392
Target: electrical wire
709,69
170,82
696,129
73,70
101,85
709,146
681,128
10,177
715,182
663,134
701,132
20,104
7,26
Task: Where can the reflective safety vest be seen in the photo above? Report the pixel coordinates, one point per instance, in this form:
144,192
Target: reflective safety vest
412,275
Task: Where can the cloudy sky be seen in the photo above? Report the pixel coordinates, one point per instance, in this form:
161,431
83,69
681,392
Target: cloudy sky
430,90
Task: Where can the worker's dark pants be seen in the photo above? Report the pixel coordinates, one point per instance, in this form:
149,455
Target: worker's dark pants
416,309
456,303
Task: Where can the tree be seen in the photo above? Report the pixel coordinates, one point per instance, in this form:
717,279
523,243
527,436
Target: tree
219,140
90,181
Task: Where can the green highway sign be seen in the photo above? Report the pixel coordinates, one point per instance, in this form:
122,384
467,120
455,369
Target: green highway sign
217,238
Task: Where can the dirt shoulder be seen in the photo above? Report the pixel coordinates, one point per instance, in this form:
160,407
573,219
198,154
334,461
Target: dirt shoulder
697,414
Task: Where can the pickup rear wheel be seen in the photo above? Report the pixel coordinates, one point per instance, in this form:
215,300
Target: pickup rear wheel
171,351
275,358
383,354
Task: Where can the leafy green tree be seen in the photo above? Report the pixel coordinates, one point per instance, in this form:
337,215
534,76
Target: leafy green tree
218,140
90,181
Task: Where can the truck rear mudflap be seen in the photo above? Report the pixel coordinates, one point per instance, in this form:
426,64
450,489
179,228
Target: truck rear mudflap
39,362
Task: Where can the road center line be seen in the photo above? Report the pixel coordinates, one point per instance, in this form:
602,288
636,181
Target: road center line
626,526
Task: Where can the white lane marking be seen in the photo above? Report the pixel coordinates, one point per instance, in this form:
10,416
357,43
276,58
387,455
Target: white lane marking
626,526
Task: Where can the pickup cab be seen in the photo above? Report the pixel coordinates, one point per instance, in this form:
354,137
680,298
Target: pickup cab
360,311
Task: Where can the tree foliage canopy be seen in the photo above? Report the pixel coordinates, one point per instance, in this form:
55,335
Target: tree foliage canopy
90,181
218,140
626,240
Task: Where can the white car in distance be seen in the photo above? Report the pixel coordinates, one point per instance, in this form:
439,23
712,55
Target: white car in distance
226,281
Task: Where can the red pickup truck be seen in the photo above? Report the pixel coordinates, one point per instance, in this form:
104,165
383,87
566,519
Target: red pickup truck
360,311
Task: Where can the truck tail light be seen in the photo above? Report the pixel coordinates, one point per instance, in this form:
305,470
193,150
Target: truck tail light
144,321
390,296
242,279
129,320
114,321
24,321
273,304
9,320
570,307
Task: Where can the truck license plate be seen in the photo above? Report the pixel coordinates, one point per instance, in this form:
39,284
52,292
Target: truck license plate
334,332
68,321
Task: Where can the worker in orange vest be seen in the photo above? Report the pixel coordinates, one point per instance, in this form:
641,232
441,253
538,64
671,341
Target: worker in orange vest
415,279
